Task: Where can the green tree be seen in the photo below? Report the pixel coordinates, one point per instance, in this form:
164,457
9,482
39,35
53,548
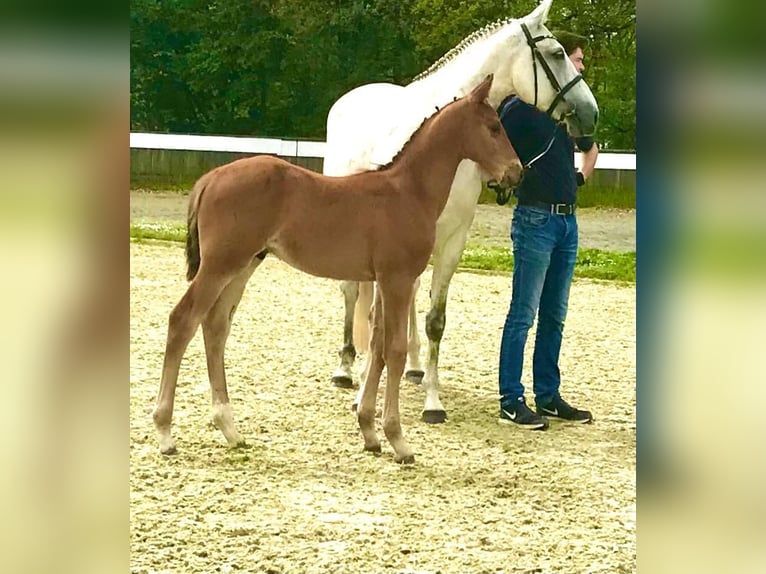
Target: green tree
275,68
232,66
611,65
336,46
159,38
610,61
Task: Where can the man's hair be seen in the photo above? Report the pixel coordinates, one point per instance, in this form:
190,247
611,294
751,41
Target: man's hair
570,41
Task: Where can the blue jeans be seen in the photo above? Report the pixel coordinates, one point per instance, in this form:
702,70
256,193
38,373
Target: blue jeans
544,252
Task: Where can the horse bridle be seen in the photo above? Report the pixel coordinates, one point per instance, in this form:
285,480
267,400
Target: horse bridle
538,57
504,194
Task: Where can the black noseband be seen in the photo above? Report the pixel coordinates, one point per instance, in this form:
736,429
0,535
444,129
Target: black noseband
538,57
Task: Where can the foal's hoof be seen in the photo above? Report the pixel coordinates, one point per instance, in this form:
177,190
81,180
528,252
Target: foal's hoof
374,449
243,444
409,459
414,376
342,381
167,444
434,417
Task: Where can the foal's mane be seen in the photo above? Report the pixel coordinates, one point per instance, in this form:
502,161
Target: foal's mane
472,38
412,137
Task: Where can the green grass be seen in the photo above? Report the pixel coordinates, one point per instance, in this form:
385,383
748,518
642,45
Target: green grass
588,196
591,263
162,230
605,196
161,184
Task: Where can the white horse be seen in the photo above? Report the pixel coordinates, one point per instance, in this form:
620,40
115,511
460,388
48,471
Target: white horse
367,126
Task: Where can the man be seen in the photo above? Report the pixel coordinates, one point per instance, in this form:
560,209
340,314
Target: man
544,235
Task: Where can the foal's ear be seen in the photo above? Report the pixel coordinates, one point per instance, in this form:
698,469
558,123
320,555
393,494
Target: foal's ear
481,92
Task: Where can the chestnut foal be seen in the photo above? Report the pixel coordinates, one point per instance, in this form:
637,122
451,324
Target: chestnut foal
372,226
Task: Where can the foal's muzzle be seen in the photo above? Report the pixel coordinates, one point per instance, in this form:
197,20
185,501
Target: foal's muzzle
513,174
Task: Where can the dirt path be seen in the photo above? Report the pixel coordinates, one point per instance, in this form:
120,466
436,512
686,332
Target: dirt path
305,499
609,229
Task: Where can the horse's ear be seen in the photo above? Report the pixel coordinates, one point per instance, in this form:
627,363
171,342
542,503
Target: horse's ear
481,92
540,14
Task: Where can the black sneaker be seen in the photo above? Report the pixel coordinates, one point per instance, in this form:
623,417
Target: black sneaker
558,408
520,414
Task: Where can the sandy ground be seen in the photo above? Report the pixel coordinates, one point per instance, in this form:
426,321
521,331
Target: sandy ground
610,229
305,498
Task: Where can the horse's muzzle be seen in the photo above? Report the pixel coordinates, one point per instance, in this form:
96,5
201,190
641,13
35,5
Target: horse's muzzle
513,174
582,123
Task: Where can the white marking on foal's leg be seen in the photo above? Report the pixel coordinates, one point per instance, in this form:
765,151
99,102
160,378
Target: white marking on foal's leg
223,421
363,372
167,444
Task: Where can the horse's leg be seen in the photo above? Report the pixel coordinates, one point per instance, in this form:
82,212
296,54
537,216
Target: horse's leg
451,233
369,389
443,269
184,320
414,371
342,376
397,296
362,330
215,330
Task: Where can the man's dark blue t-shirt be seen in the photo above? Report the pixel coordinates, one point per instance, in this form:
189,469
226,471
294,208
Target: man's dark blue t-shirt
539,140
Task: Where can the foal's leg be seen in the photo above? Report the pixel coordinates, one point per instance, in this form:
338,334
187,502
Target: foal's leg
397,295
368,390
215,329
414,372
184,320
342,376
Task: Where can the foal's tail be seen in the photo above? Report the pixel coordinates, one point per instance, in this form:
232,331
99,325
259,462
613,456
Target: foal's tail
192,232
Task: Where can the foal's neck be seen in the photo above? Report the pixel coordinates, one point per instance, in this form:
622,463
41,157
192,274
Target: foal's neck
431,159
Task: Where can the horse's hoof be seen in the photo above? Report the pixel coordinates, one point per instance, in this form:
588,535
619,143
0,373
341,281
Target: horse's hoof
409,459
241,444
414,376
342,382
434,417
374,449
168,451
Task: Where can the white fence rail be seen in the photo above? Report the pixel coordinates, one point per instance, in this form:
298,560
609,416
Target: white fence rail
297,148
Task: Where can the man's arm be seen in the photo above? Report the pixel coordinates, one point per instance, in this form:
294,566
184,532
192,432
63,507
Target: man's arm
588,162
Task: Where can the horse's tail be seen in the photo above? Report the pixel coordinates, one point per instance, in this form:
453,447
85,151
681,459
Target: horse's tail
192,232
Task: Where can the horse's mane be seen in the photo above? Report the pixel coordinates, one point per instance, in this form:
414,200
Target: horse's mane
472,38
404,147
412,137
